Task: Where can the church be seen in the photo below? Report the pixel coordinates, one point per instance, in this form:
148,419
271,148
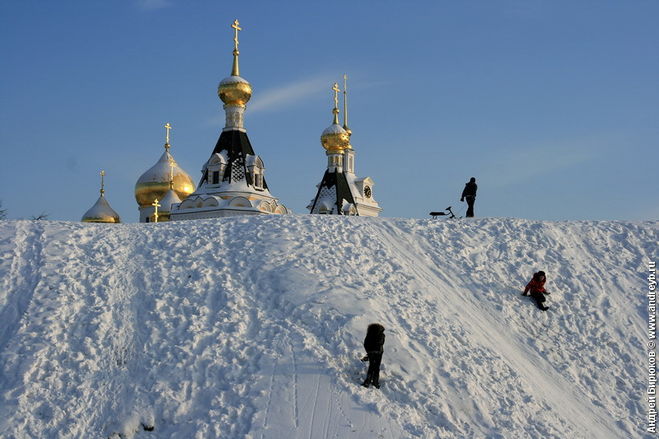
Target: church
341,192
233,178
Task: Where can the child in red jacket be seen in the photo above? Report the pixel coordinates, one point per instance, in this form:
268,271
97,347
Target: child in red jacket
537,289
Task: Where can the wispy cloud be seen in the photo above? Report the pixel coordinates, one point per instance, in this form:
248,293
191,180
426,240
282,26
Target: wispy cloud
295,92
153,4
289,93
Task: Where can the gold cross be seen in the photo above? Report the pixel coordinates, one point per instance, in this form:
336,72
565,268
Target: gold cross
336,95
156,205
235,38
167,128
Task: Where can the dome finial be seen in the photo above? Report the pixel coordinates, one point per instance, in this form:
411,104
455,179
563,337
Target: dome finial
167,128
345,103
335,110
234,90
335,139
235,71
102,182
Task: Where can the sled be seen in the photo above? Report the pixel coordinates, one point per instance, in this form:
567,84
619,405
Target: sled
446,211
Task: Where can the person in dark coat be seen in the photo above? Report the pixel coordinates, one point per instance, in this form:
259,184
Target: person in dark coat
469,193
374,346
537,289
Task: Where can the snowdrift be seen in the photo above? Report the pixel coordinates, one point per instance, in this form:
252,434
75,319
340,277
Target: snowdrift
252,328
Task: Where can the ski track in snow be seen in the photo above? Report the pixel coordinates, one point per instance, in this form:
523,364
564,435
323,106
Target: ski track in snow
252,328
18,288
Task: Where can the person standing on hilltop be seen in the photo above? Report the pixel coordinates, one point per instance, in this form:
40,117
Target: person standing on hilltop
537,289
469,193
374,346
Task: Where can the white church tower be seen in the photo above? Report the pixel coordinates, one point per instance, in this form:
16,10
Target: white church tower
232,181
341,192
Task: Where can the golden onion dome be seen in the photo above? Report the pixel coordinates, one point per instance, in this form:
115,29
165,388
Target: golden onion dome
101,212
155,183
335,138
234,90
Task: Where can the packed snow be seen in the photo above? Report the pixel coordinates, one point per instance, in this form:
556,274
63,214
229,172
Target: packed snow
251,327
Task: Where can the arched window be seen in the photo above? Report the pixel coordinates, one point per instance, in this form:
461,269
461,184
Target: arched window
215,167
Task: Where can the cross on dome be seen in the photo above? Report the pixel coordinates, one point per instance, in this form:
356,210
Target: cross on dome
235,70
237,28
335,110
167,128
336,95
155,205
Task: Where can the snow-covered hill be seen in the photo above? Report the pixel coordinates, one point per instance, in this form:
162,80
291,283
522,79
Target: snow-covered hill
252,327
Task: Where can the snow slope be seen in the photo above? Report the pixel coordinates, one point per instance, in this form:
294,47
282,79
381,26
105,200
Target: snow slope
252,327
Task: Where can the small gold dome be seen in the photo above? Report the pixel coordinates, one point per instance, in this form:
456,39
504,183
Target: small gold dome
154,183
101,212
234,90
335,138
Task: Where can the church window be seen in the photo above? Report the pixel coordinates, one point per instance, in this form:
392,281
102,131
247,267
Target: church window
258,181
216,177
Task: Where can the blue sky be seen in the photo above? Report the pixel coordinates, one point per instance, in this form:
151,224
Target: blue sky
551,105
